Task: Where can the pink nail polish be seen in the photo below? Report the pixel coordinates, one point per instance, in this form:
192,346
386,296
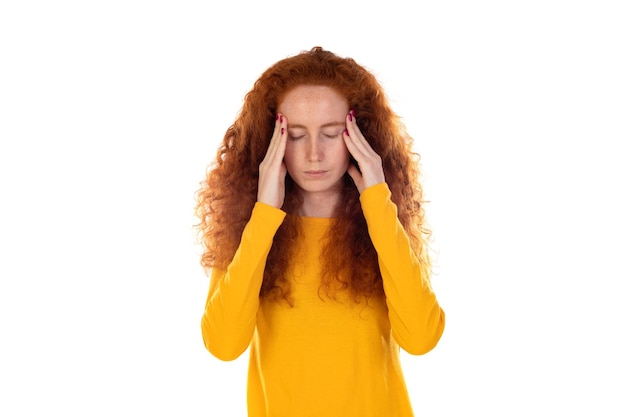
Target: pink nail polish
281,118
346,132
350,115
276,116
282,130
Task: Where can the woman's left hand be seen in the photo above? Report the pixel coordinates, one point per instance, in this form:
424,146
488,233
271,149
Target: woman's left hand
370,166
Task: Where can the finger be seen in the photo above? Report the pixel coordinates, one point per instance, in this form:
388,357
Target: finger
356,147
272,170
276,146
275,135
368,161
350,133
281,143
355,141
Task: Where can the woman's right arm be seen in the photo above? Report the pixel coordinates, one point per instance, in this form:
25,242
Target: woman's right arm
229,316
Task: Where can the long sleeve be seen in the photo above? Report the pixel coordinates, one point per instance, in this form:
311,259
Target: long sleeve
417,320
229,317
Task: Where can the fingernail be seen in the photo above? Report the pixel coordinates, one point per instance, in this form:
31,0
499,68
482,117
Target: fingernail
276,116
350,115
282,129
281,118
346,131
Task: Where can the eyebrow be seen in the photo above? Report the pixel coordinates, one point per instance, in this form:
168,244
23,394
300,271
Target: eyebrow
325,125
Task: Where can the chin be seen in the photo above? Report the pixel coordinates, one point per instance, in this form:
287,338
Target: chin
321,186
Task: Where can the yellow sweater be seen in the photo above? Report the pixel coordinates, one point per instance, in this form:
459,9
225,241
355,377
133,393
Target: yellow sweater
323,358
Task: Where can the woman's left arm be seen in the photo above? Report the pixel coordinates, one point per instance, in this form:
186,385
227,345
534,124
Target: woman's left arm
417,320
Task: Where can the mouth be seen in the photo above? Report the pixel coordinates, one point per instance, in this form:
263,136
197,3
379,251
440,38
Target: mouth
315,173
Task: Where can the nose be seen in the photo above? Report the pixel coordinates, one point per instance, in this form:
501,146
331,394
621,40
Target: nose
314,151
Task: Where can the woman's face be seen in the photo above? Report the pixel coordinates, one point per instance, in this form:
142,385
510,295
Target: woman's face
316,156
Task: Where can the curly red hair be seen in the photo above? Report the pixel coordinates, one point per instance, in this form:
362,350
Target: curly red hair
227,195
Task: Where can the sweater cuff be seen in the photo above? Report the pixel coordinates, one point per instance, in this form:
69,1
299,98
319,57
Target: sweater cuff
266,215
378,192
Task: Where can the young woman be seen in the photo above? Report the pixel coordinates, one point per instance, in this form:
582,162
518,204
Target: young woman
313,228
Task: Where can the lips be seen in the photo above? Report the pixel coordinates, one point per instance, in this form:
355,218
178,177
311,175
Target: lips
315,173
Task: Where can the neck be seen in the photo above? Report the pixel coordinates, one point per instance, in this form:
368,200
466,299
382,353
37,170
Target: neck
320,204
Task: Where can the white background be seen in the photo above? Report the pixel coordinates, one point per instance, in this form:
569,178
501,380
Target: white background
111,111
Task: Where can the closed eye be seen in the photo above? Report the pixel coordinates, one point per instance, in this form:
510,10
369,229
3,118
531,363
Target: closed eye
331,135
291,137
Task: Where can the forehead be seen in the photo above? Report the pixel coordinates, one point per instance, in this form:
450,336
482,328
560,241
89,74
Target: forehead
313,103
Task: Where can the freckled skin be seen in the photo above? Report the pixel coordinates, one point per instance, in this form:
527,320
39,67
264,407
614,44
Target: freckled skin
316,156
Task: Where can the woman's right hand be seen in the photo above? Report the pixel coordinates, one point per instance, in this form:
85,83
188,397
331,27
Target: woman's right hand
272,170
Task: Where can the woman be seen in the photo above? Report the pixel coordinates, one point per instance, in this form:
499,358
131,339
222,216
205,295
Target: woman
313,227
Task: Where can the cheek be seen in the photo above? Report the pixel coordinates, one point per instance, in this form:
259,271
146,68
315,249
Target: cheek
343,154
289,157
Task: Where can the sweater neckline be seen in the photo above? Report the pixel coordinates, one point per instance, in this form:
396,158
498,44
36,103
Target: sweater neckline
315,220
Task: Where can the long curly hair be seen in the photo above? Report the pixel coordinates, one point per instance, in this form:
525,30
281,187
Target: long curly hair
228,193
